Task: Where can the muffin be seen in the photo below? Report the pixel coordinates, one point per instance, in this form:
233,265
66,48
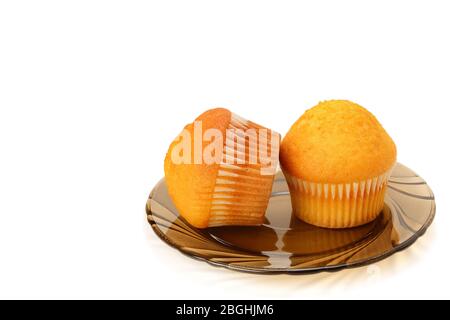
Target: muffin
337,159
219,171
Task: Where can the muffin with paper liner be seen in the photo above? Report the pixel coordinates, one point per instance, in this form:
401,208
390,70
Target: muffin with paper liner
219,171
337,159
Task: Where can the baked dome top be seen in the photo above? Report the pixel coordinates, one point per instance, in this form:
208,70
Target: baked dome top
195,182
337,141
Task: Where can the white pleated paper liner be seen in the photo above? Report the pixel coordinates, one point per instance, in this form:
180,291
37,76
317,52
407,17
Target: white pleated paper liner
338,205
242,188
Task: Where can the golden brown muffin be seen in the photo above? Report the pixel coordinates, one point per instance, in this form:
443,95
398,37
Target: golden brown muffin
337,159
233,190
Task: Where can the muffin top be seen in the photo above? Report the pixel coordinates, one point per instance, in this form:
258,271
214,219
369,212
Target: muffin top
337,141
194,181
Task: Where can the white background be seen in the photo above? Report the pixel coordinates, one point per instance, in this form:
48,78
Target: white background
92,93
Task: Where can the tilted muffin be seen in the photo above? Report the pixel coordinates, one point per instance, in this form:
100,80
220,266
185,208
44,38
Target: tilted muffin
337,159
220,169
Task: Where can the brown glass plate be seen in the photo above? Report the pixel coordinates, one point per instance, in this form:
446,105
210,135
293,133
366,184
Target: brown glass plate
285,244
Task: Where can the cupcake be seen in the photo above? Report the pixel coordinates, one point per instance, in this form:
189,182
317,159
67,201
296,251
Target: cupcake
219,171
337,159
